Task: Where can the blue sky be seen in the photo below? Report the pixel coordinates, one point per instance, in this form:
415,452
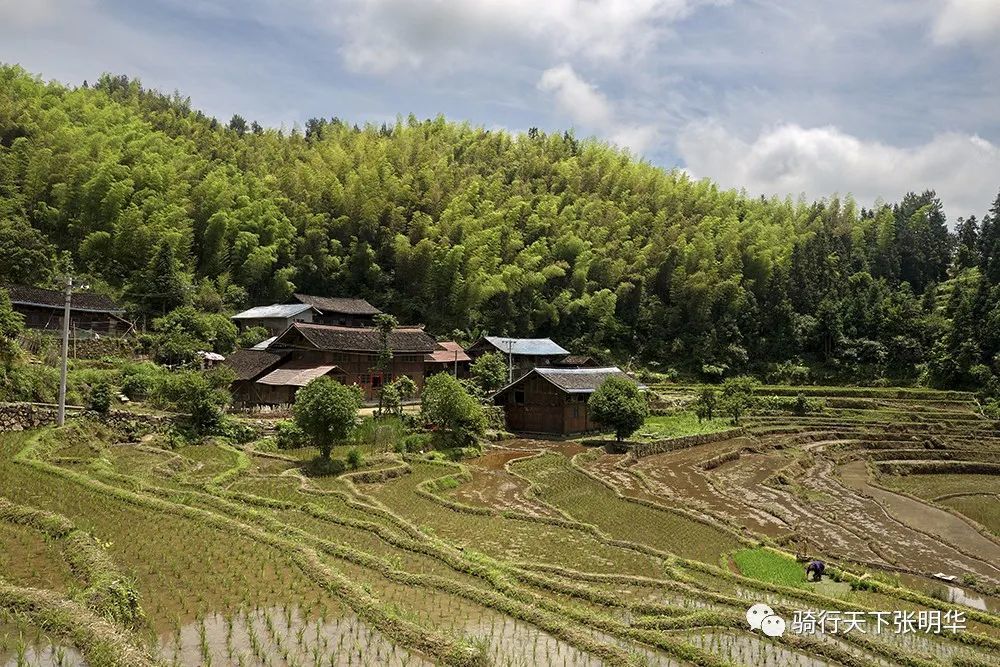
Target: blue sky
775,96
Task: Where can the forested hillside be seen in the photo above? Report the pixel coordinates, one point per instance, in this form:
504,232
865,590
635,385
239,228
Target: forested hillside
483,231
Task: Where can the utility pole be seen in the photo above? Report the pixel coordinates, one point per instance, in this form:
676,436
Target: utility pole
61,414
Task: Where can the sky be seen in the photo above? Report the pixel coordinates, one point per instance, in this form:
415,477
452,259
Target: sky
871,98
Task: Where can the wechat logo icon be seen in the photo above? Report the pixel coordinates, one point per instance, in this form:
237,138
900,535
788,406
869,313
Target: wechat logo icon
762,617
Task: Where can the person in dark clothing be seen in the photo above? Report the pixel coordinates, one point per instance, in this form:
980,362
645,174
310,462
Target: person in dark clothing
817,567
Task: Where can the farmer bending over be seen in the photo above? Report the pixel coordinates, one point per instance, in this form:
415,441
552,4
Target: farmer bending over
817,567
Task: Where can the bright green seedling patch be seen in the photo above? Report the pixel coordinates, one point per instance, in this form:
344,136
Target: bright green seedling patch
770,566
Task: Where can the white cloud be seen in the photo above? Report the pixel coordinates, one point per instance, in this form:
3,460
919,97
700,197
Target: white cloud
586,106
820,161
577,98
382,35
967,20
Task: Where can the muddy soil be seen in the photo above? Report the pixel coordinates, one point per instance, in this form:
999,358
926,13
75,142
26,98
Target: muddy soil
493,486
947,544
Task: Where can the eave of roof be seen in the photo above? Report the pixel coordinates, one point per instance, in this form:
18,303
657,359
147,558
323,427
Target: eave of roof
339,305
403,340
526,346
296,375
550,375
276,310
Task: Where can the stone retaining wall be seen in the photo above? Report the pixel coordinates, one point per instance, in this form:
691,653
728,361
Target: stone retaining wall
24,416
640,449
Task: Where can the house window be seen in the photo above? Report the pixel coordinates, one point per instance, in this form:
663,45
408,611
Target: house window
576,410
376,381
519,397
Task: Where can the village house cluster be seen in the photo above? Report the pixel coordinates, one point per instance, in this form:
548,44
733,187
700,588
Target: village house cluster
320,336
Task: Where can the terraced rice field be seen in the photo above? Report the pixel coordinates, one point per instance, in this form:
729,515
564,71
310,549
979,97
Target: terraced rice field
536,553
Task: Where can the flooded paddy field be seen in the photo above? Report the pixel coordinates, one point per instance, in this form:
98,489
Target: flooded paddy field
114,552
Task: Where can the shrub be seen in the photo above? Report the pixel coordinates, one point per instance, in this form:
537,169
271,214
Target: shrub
138,381
323,465
30,382
289,436
355,458
618,404
417,442
11,326
100,398
195,394
326,411
788,372
456,416
182,333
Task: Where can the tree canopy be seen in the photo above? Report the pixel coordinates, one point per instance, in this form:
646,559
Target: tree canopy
461,227
618,404
326,411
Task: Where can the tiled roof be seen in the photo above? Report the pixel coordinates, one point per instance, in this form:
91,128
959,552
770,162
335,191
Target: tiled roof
338,305
277,310
48,298
576,380
360,339
582,380
297,373
251,364
448,352
525,346
576,360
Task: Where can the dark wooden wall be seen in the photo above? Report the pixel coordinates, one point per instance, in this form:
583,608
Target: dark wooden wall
537,406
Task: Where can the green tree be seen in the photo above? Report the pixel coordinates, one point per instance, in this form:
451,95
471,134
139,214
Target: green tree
394,393
251,336
326,411
11,326
489,372
385,324
25,255
456,416
619,404
202,396
738,397
706,403
163,286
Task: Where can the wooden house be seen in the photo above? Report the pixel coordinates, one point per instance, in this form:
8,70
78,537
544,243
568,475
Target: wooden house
553,401
304,352
523,354
276,317
44,308
448,358
250,365
339,311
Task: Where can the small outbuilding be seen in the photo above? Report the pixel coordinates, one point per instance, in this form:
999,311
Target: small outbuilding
339,311
44,308
276,317
249,366
553,401
523,354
